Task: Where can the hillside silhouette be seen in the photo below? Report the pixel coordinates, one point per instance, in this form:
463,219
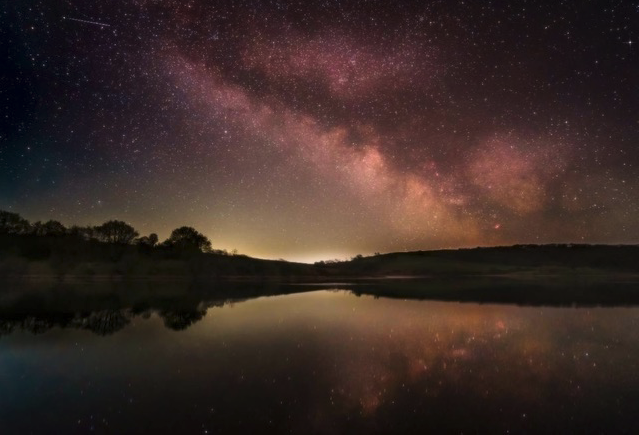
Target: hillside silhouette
116,249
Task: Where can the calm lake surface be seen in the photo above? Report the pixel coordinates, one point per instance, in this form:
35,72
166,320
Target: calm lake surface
323,361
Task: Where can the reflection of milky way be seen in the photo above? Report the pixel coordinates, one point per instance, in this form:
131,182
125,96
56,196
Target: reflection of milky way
487,353
322,362
311,130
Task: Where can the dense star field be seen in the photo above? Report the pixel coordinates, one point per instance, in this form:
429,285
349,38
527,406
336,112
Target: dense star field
309,130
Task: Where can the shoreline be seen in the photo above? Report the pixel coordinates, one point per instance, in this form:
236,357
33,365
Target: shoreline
319,280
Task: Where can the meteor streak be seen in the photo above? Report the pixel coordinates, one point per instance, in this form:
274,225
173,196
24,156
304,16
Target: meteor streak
87,21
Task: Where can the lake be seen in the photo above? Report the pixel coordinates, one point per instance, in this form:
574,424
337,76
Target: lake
324,360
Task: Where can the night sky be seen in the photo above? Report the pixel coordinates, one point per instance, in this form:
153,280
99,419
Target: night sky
312,130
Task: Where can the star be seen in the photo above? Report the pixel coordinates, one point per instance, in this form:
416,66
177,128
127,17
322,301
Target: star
324,130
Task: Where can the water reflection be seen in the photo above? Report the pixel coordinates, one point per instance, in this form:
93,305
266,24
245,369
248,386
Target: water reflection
105,308
319,362
103,322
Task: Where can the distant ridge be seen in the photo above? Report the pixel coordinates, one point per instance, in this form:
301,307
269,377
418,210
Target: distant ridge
549,259
69,256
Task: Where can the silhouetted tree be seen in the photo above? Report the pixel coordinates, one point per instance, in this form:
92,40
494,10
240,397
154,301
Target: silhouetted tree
13,223
86,233
187,238
49,228
151,240
116,232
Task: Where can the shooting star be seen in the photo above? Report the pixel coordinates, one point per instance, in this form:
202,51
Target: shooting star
87,21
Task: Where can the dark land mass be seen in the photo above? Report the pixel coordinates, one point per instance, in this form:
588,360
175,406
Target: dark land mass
98,277
72,257
115,250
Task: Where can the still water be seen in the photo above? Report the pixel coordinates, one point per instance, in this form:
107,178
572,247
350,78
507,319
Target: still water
325,361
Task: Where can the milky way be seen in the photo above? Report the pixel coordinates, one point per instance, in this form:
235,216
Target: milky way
309,130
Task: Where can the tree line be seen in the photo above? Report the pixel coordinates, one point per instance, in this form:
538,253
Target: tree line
113,231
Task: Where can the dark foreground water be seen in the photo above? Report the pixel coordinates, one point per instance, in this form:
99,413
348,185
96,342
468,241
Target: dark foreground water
325,361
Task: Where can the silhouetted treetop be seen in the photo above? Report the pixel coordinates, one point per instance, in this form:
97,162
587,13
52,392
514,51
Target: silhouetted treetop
49,228
13,223
150,240
153,239
187,238
86,233
116,232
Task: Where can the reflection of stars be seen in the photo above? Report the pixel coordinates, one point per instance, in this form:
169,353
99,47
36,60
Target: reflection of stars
629,42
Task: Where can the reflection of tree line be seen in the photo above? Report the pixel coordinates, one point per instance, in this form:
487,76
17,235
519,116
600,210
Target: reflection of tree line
105,308
103,322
